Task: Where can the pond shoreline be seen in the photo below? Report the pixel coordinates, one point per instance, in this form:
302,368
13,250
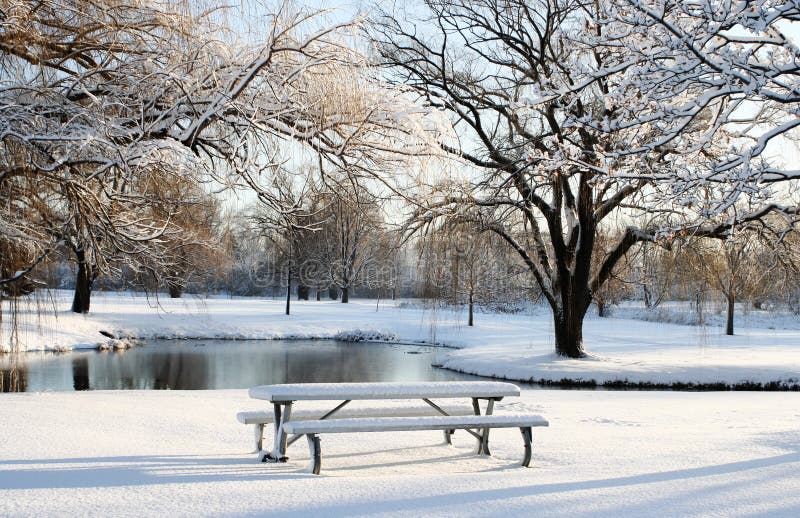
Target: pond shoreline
622,353
625,385
563,383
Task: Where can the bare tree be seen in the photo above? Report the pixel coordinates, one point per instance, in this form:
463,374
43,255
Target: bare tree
618,284
785,279
731,267
535,91
95,94
467,266
656,270
188,251
286,222
351,224
540,187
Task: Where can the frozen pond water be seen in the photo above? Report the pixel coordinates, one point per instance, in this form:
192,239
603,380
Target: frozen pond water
220,364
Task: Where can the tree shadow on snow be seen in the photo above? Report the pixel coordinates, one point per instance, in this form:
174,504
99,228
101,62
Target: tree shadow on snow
182,469
85,472
576,489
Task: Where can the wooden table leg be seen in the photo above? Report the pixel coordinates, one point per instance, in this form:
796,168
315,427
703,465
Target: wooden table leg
316,453
476,408
447,433
276,424
258,429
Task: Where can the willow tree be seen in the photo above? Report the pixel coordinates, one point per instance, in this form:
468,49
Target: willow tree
95,95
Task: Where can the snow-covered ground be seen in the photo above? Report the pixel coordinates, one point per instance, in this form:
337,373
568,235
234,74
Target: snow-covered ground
606,453
712,314
513,346
172,453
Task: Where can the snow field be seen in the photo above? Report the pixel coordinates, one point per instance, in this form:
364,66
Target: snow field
158,453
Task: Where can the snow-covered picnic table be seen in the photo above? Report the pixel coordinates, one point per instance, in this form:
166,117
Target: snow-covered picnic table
383,390
284,396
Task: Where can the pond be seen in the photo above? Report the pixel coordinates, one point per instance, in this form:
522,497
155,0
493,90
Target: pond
216,364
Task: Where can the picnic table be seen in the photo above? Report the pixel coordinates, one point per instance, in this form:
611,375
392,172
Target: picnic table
284,397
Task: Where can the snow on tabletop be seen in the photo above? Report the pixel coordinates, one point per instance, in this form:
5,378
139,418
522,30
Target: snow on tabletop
384,390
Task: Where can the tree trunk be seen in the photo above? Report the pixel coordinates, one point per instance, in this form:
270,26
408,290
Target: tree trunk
699,307
333,292
568,324
729,326
175,290
646,294
303,292
319,294
471,300
601,308
83,285
288,290
454,283
346,295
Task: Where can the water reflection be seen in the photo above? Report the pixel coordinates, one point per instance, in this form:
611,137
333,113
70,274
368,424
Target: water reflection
194,365
13,379
80,373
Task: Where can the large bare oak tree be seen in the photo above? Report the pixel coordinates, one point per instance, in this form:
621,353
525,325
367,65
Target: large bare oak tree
536,93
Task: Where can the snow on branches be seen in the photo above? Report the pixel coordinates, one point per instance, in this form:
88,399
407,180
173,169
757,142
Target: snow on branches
712,87
663,118
96,95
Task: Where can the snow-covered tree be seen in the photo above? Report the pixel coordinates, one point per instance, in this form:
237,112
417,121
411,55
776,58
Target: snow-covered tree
503,72
578,115
94,95
727,69
285,219
76,79
714,88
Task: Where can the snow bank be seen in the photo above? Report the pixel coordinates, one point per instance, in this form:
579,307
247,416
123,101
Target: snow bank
173,453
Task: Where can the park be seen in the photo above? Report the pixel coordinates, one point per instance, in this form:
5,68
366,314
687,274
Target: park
483,258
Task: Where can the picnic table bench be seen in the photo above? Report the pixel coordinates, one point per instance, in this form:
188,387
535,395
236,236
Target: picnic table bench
284,397
261,418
